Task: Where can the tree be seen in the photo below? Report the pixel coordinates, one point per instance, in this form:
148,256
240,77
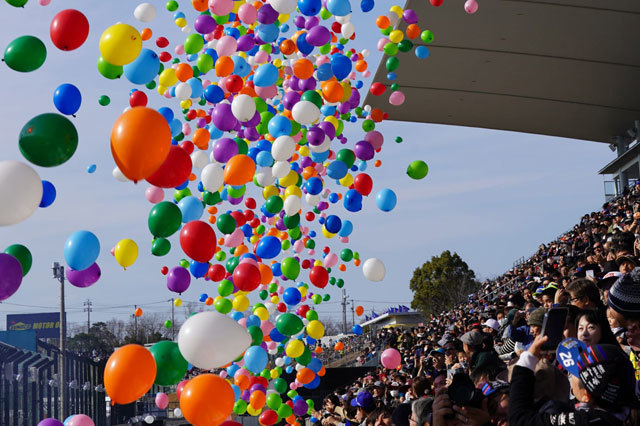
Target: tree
98,343
441,283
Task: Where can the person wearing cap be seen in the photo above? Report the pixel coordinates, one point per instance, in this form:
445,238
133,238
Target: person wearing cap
481,356
606,282
490,327
524,335
547,295
365,405
604,388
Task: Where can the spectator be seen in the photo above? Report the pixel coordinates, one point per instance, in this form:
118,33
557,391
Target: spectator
421,412
584,294
592,328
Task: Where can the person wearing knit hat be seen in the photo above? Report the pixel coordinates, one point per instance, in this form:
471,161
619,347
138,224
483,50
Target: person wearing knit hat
624,296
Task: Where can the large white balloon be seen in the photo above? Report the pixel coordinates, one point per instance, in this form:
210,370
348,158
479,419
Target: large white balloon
264,177
312,200
243,107
305,112
373,269
210,340
280,169
145,12
20,192
284,7
199,159
183,91
292,205
283,148
212,177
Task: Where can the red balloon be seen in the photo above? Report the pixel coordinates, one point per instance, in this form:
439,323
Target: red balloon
268,418
363,184
230,423
180,388
138,98
239,217
162,42
187,146
281,307
246,276
306,264
216,272
250,203
302,310
69,29
259,380
234,83
174,171
377,89
248,215
319,276
164,270
164,56
254,223
198,240
436,2
309,216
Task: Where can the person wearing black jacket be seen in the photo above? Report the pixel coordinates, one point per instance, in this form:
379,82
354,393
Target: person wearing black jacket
605,389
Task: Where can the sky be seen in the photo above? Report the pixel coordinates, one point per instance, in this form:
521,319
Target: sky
491,196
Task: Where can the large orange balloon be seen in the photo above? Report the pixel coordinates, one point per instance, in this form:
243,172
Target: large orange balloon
129,373
140,142
206,400
239,170
332,91
305,375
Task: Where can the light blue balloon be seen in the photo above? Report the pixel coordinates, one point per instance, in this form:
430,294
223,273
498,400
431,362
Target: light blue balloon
266,75
320,157
175,126
347,228
241,67
253,320
255,359
339,7
279,125
191,208
91,168
268,33
264,159
214,132
196,87
386,200
422,52
362,166
81,250
236,391
144,68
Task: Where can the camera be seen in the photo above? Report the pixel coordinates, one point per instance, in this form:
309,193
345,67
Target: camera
463,393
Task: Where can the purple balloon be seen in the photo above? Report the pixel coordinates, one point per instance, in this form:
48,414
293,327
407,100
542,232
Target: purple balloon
234,201
306,162
10,275
290,99
344,107
223,118
246,43
224,149
364,150
205,24
300,407
251,134
299,21
410,16
294,83
280,225
315,136
245,395
178,279
255,120
308,84
257,387
267,15
328,129
354,99
319,36
84,278
311,22
50,422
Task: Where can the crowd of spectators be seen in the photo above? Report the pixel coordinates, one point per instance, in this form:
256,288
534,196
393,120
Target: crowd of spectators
495,359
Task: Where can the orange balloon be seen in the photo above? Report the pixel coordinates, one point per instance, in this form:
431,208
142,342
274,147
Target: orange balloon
332,91
287,47
209,301
129,374
318,349
200,5
140,142
224,66
305,375
242,381
240,250
138,312
257,399
201,138
184,72
339,346
377,115
303,68
322,371
239,169
359,310
266,275
361,65
146,34
197,406
382,22
413,31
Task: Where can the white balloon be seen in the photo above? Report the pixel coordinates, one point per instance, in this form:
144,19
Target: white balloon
325,145
299,367
271,308
20,192
347,29
292,205
284,7
243,107
186,29
212,177
312,200
393,18
183,91
373,269
305,112
365,53
149,419
209,340
280,169
145,12
264,177
199,159
279,362
283,148
346,18
117,173
177,413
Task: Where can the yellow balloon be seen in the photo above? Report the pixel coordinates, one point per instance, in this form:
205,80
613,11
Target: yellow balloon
254,239
315,329
333,121
120,44
295,348
346,91
284,17
240,303
252,411
292,190
275,300
347,180
268,191
168,77
290,179
261,313
317,263
274,373
396,36
126,252
303,291
186,104
177,303
304,151
326,233
277,63
397,10
161,89
181,22
236,6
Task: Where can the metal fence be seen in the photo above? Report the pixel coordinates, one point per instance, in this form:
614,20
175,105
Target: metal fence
30,390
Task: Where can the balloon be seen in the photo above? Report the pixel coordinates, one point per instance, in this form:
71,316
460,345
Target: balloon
390,358
356,329
84,278
140,142
154,194
170,365
48,194
289,324
373,269
291,295
471,6
67,99
195,401
162,400
198,240
386,200
80,420
212,177
239,170
210,340
48,140
178,279
268,247
81,250
50,422
108,70
246,276
255,359
319,276
69,29
17,3
418,169
359,310
243,107
22,254
126,252
315,329
143,69
174,171
22,185
25,54
129,373
10,275
283,148
165,219
145,12
120,44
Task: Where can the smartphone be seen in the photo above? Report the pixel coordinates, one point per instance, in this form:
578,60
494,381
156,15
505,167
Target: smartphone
589,273
553,327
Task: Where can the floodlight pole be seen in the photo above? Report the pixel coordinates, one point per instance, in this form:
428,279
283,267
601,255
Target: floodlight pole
58,273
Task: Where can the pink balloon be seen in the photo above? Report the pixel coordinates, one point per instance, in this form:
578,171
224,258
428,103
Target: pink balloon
179,49
322,60
396,98
375,138
330,261
261,57
382,42
223,374
366,74
186,129
208,37
206,83
221,7
227,46
234,239
80,420
471,6
298,246
267,92
266,328
162,400
154,194
390,358
44,2
247,13
243,322
311,252
242,372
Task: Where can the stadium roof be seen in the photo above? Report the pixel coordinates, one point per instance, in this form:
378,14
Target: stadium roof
567,68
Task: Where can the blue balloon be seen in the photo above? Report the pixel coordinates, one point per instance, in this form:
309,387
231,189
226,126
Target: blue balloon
339,7
320,157
237,316
67,99
253,320
347,229
315,365
268,33
276,270
287,360
191,208
314,383
327,110
203,297
247,230
422,52
233,32
357,329
81,250
279,125
167,113
314,185
289,369
144,68
337,170
91,168
341,66
196,87
48,194
176,127
264,159
334,198
291,296
367,5
236,391
214,131
241,67
266,75
309,7
303,45
232,369
198,270
276,336
353,200
325,72
333,224
362,166
213,93
386,200
268,247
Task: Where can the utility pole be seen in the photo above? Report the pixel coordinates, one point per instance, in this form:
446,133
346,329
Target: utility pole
344,311
173,333
87,309
135,325
353,313
58,273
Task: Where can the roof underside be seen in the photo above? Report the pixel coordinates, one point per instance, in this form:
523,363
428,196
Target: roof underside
568,68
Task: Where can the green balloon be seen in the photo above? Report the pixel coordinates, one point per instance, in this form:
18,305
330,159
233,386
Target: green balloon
316,299
179,194
340,283
205,63
305,358
256,335
225,288
346,156
418,169
310,244
231,264
104,100
193,43
290,268
405,45
25,54
346,255
274,204
48,140
295,233
17,3
280,385
240,407
172,6
165,219
211,198
170,365
226,223
184,263
284,410
262,127
23,255
426,36
150,85
274,400
291,221
160,247
168,324
223,305
392,63
368,125
311,315
289,324
390,49
313,97
220,256
108,70
236,191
